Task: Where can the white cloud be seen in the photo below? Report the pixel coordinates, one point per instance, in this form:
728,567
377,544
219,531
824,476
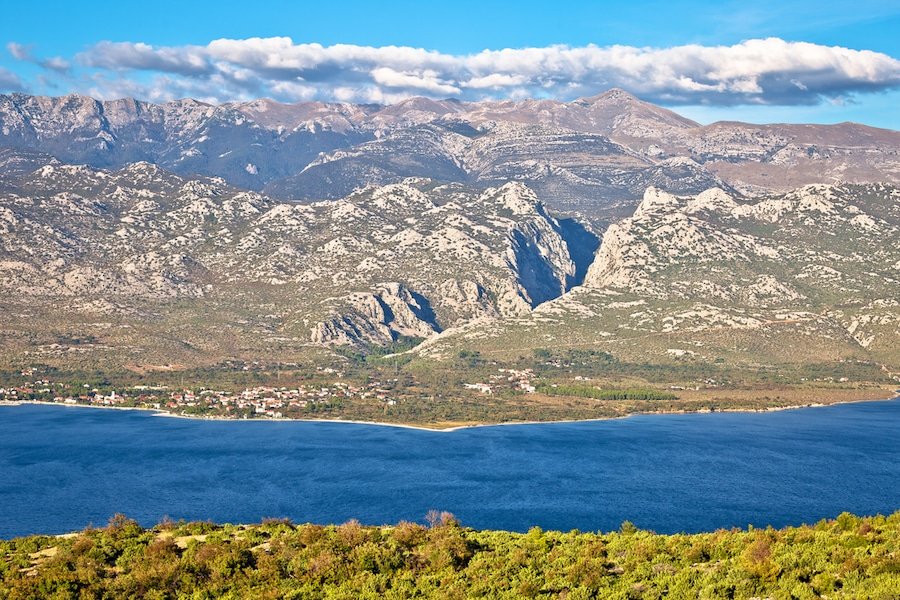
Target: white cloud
185,60
25,54
495,81
18,51
761,71
426,81
10,82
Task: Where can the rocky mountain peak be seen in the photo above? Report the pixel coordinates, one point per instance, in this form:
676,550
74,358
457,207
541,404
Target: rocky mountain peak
655,201
406,259
668,230
623,112
405,196
611,96
518,198
714,200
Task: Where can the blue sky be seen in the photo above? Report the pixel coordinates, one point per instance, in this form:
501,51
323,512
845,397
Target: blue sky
164,51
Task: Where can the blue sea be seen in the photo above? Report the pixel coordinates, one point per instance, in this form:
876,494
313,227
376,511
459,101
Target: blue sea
63,468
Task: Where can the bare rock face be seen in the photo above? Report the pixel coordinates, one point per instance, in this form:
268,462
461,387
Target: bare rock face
378,317
432,215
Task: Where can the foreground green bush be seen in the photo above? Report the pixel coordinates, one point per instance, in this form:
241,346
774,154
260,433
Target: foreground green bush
850,557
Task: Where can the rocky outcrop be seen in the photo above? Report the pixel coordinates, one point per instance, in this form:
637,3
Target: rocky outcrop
666,230
378,317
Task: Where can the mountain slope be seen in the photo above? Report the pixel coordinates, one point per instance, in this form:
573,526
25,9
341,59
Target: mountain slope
144,269
215,269
812,275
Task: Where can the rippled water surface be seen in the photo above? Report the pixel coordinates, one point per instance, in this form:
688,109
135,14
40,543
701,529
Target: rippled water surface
62,468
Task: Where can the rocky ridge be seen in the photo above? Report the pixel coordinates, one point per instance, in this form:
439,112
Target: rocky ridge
592,157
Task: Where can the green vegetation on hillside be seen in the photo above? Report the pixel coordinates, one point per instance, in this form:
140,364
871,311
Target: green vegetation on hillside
587,391
849,557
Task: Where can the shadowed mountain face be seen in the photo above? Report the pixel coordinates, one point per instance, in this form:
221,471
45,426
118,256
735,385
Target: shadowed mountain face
594,156
583,244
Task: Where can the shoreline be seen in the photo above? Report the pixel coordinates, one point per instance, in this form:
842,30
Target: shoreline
158,412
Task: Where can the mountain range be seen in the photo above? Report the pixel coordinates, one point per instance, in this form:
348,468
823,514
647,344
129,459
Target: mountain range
136,234
592,157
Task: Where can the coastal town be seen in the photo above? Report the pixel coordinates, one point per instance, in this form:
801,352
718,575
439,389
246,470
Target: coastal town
327,391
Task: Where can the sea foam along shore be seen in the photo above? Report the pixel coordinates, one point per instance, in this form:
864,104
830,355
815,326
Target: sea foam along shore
164,413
